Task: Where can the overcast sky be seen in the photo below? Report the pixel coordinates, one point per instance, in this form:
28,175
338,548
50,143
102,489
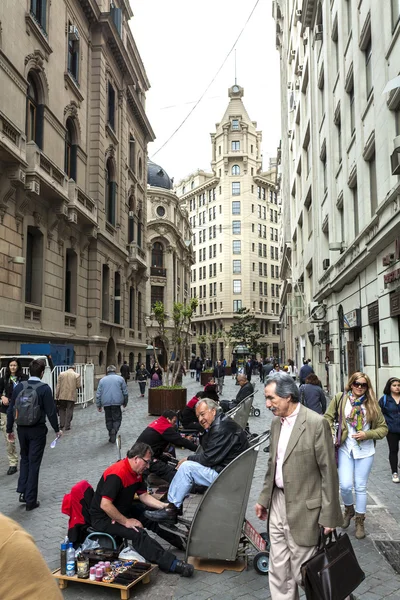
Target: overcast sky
183,44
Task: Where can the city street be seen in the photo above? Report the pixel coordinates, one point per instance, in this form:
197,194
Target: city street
84,452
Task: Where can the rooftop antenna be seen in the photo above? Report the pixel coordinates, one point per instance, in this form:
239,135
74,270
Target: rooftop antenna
235,68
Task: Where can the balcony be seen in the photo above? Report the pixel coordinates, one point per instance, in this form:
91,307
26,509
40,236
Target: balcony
81,203
12,141
137,257
158,272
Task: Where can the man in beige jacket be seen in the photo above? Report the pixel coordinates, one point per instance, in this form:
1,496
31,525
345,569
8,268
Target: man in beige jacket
68,383
301,488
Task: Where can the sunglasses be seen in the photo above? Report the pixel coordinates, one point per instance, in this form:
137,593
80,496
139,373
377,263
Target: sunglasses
358,384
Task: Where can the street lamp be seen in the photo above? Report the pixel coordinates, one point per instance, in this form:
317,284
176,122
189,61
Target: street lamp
311,337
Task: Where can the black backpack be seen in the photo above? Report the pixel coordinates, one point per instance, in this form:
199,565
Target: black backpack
27,409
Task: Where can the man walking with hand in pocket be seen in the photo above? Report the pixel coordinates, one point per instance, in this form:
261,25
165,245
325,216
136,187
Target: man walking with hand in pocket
301,488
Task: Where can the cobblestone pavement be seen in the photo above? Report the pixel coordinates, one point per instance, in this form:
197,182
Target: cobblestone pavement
84,453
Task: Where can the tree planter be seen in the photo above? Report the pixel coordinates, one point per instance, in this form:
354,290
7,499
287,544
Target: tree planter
205,378
160,400
228,370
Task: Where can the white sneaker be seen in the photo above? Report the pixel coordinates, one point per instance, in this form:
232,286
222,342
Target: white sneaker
395,478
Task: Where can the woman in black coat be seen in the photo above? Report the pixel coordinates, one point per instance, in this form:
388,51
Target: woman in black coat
12,377
141,375
312,394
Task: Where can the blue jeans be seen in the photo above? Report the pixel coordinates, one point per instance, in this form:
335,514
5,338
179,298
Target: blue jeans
355,471
188,473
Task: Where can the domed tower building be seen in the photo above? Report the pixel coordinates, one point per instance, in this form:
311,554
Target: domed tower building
169,251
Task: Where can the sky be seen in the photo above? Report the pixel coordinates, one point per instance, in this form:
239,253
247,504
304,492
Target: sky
183,44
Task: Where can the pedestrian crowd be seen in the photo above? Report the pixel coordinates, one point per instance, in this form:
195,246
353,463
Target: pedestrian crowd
318,450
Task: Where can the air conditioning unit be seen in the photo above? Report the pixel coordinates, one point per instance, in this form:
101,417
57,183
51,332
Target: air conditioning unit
297,16
131,214
335,246
318,32
297,85
292,54
289,85
326,264
395,156
289,133
299,70
73,33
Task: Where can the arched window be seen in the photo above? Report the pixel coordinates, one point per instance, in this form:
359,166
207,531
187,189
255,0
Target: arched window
131,220
38,11
34,113
157,255
117,297
139,229
70,150
140,169
235,170
111,192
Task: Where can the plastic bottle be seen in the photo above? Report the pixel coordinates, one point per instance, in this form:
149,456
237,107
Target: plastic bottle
70,560
63,569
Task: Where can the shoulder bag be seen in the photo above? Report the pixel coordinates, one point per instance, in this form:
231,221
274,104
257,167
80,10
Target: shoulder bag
333,573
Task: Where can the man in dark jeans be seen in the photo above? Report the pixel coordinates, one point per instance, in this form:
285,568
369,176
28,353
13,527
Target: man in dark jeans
111,393
32,439
112,510
125,371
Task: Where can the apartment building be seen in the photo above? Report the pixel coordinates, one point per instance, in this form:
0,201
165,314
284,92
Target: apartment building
340,185
73,178
234,213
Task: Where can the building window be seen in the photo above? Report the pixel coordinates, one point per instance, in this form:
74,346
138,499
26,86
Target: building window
111,106
139,311
236,227
237,266
235,188
131,307
70,281
236,207
237,286
34,266
235,170
372,184
34,113
157,294
111,192
237,305
105,293
70,150
235,145
355,211
117,297
157,255
235,124
140,229
236,246
73,51
132,153
395,13
38,12
368,68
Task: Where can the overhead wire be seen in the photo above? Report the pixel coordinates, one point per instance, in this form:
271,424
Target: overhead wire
209,85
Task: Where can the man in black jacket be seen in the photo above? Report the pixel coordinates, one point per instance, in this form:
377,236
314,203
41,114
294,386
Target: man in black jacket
223,441
246,389
125,371
219,375
160,435
32,439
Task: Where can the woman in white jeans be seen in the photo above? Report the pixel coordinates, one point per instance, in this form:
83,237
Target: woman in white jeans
362,423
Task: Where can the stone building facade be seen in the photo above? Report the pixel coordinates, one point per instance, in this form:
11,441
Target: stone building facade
73,173
341,187
234,214
169,253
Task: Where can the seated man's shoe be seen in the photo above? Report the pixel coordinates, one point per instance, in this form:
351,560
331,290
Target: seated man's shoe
169,513
183,569
32,506
22,498
12,470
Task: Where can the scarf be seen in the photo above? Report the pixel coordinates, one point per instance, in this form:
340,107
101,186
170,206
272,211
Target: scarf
356,416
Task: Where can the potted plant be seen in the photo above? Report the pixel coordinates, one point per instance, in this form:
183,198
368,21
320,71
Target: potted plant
174,333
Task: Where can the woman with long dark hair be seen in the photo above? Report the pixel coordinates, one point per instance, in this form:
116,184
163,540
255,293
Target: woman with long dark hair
390,407
362,423
13,376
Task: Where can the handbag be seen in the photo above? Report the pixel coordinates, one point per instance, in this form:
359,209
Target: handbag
333,572
337,424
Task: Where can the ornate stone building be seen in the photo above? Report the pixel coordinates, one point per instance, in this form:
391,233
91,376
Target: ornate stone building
73,172
169,249
234,214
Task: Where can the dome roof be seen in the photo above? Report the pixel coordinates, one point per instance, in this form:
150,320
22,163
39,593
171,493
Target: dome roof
157,177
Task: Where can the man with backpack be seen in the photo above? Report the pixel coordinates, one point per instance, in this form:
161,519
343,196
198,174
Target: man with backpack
30,403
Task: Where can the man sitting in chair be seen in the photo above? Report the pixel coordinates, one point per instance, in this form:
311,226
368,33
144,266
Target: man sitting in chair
246,389
223,441
114,511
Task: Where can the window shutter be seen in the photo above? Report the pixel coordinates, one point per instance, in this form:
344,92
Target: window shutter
43,13
39,125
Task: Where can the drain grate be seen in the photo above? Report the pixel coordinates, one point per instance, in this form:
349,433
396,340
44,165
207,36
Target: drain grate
391,552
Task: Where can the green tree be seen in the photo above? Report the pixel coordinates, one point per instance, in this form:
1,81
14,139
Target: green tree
244,330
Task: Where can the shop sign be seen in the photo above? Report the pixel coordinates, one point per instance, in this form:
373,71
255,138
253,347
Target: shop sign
393,276
392,257
373,312
395,304
352,319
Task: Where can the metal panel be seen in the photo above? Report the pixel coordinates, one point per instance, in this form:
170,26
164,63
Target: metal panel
217,524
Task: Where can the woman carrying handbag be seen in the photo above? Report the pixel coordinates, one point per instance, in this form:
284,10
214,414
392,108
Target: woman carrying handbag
360,423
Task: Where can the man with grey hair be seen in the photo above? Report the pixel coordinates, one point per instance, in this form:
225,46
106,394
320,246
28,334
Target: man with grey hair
222,442
112,392
301,488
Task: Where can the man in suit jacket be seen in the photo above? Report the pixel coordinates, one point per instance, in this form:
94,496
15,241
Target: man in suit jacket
301,488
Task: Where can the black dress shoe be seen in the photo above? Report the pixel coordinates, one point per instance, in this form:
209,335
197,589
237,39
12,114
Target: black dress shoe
12,470
22,498
184,569
113,436
170,514
32,506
